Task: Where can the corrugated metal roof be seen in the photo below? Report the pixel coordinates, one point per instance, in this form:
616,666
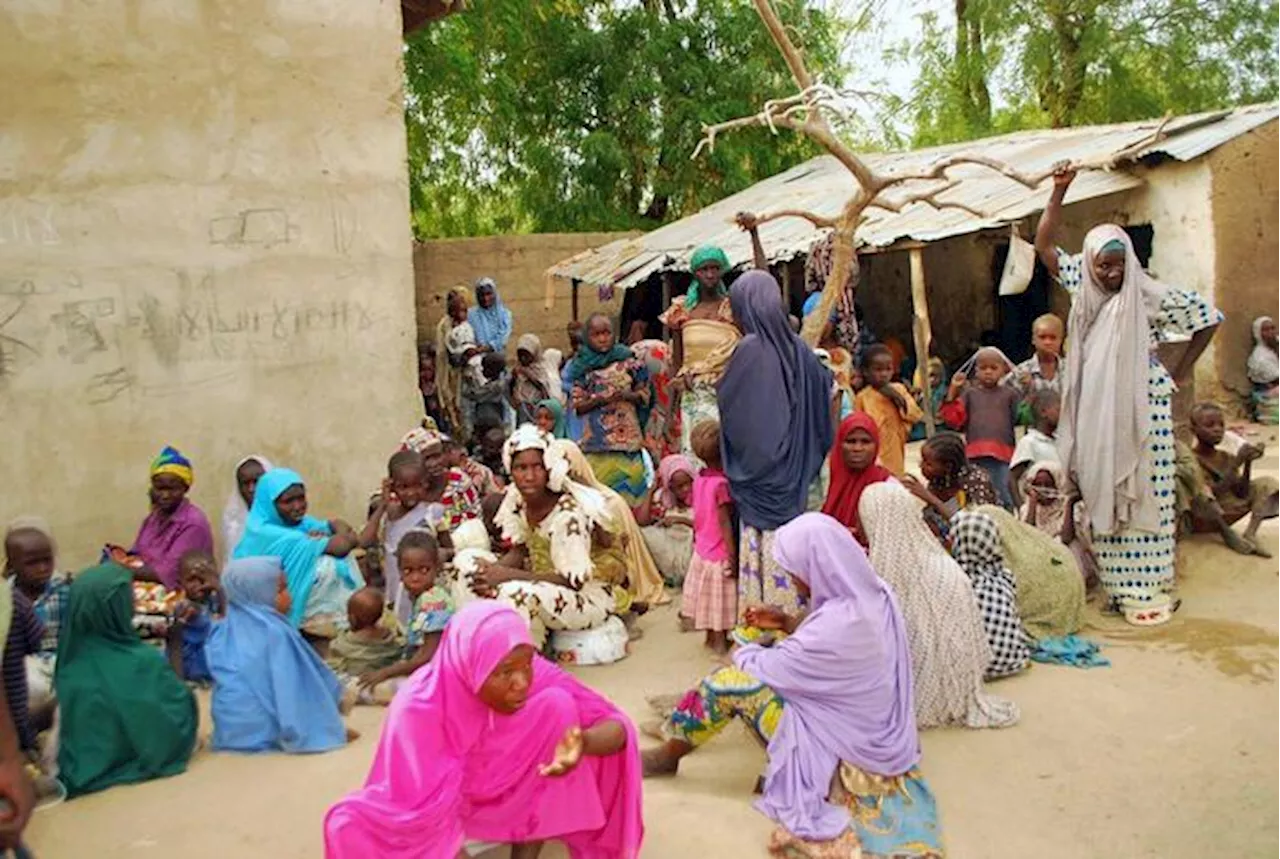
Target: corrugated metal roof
822,185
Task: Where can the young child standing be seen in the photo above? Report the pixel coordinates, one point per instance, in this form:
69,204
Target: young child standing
1236,491
889,404
987,413
1043,370
710,594
1037,444
418,556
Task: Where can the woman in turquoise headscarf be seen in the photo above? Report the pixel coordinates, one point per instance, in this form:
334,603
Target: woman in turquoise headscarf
612,394
549,416
703,336
288,702
124,715
315,554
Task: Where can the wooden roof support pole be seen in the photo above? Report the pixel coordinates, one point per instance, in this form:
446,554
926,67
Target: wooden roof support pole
667,289
923,333
786,286
574,300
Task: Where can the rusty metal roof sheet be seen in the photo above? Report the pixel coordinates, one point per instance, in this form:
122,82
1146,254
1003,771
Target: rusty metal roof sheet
822,185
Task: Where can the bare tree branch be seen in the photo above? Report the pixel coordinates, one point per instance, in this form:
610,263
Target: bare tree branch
929,197
822,222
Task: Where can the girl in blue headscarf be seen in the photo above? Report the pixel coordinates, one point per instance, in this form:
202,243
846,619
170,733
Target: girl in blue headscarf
490,318
314,553
271,691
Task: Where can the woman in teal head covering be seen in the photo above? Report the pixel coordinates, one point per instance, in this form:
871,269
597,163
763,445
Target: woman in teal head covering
315,554
124,714
549,416
703,337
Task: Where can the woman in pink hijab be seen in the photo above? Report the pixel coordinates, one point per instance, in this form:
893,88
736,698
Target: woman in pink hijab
492,743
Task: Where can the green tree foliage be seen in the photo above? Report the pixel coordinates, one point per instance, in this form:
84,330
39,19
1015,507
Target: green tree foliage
1057,63
576,115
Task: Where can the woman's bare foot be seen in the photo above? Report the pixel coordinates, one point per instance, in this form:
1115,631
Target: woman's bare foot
352,735
1237,543
717,642
657,762
663,704
686,624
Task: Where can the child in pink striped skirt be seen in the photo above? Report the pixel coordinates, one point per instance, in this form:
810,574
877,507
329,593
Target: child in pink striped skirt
710,595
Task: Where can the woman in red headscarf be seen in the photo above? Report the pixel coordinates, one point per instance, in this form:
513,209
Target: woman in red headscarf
854,468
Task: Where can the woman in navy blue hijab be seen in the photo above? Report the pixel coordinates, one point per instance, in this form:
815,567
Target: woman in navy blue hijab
775,428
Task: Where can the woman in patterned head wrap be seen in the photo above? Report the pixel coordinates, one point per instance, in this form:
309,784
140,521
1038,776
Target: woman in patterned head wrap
550,575
702,339
174,526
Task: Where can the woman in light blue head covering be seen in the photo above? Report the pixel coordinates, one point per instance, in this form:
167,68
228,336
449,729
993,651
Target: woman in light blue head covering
271,691
490,318
315,554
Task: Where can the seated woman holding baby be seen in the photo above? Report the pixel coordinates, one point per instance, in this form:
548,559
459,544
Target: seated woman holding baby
550,574
315,554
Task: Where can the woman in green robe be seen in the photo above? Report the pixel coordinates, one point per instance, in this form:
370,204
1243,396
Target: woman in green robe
125,715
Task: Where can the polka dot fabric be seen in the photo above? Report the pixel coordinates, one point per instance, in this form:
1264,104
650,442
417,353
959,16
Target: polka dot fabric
1136,566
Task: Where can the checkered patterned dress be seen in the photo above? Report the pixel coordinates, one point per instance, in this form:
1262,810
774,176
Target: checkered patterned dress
975,544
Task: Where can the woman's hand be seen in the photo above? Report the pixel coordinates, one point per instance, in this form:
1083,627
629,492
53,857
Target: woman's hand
747,221
372,678
766,617
567,755
916,488
487,577
17,799
1063,175
894,396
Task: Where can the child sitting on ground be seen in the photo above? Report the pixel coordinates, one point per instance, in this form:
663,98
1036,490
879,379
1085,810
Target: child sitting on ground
1043,370
418,556
368,644
31,562
1236,492
1053,506
710,594
25,633
271,691
1038,443
199,604
889,404
987,413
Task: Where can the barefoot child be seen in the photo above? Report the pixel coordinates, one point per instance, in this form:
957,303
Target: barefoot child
1236,491
418,557
710,595
890,404
987,413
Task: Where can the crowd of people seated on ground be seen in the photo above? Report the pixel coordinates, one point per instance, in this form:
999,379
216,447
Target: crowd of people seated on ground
539,510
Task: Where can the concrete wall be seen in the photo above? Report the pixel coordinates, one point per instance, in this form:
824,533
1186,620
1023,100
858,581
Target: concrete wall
204,242
518,265
1245,199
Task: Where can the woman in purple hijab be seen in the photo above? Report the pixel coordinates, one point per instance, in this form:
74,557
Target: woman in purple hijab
831,699
775,425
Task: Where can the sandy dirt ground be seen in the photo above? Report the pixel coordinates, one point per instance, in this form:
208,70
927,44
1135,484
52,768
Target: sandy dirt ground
1170,752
